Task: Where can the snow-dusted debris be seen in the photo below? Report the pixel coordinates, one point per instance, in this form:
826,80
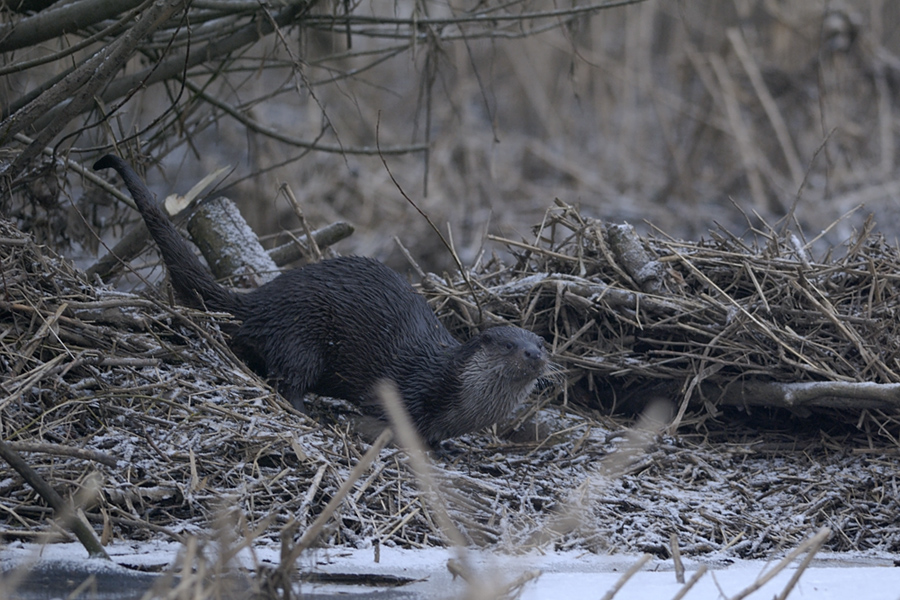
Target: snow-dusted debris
183,438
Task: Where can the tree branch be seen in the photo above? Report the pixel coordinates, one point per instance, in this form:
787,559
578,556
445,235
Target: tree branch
82,85
176,65
68,18
842,395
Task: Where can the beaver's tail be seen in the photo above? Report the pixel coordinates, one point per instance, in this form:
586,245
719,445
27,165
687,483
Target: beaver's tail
193,282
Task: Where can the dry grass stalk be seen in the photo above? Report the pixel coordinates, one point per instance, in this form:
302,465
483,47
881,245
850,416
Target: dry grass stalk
811,546
700,572
676,558
480,586
634,568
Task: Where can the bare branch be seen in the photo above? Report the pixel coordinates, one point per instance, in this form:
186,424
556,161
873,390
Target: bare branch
66,18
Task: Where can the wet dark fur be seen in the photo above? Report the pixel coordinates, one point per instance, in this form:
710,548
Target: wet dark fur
339,326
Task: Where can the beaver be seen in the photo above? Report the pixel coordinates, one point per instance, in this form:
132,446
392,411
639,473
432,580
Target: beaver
339,326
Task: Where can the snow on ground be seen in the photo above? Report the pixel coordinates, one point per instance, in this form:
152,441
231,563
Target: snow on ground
577,575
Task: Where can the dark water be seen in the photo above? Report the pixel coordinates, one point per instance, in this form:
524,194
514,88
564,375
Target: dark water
101,580
48,580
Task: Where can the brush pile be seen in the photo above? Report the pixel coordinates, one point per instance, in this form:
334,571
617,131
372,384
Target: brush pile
137,410
719,322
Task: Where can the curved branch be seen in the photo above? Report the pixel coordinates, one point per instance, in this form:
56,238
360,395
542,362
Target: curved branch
486,17
275,134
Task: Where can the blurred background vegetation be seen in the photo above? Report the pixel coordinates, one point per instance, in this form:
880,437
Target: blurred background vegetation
682,114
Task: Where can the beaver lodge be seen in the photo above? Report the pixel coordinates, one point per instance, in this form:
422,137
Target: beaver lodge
777,369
